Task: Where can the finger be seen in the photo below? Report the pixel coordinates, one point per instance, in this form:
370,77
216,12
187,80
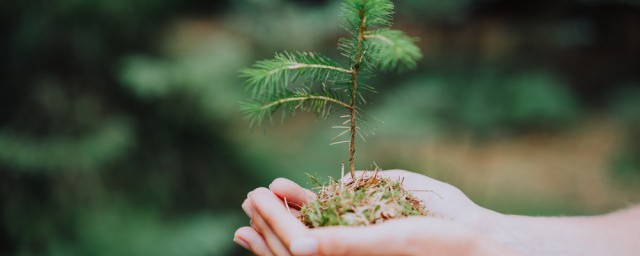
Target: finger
295,195
383,239
249,238
246,207
262,228
268,206
272,240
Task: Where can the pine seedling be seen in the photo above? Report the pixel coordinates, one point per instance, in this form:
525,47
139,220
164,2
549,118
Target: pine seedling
309,81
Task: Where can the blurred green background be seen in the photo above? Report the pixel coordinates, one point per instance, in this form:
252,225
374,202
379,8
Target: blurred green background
120,132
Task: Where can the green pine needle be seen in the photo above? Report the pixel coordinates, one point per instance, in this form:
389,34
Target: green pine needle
271,77
393,49
376,13
285,82
319,101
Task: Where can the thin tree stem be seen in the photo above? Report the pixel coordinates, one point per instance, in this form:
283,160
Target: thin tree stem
354,87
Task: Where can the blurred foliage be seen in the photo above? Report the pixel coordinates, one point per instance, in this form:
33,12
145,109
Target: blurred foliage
625,105
205,75
58,153
120,132
452,10
485,102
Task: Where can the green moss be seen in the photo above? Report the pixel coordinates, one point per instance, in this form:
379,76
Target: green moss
365,201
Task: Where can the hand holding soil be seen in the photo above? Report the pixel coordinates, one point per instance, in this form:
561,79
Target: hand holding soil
454,226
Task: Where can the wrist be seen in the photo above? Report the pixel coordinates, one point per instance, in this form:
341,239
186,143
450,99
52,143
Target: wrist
493,234
504,231
487,246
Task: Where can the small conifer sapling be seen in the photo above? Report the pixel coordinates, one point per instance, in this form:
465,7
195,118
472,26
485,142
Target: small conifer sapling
308,81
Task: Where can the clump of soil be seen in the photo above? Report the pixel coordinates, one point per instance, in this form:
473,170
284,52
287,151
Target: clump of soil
367,200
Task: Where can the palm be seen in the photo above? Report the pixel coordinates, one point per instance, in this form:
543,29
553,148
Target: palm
441,199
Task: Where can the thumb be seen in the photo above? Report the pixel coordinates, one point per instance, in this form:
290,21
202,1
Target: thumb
389,238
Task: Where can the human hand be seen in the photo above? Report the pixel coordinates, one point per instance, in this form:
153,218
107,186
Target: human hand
455,226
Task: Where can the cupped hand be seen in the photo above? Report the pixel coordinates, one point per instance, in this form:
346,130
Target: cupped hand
455,224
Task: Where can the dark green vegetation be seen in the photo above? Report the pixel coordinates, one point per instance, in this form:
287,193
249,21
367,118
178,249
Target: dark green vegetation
120,132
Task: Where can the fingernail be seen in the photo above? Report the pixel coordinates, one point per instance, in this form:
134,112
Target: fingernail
304,247
247,210
242,243
278,180
249,194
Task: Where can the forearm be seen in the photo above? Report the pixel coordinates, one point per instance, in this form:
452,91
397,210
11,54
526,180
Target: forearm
617,233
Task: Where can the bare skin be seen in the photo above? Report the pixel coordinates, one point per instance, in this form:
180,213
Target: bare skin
460,227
